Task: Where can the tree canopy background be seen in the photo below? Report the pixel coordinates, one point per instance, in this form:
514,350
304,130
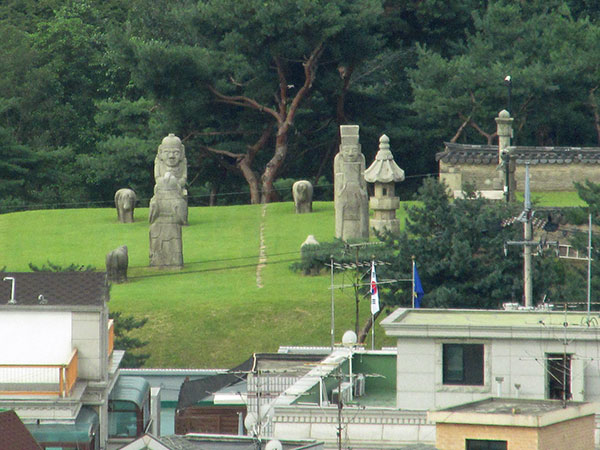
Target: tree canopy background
258,89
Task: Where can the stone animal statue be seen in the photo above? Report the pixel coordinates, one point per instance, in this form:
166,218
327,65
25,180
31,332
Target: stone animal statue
117,261
303,192
125,203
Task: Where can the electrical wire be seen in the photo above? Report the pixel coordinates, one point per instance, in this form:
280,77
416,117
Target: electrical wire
83,204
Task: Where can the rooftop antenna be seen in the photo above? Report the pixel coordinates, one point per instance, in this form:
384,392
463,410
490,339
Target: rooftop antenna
12,300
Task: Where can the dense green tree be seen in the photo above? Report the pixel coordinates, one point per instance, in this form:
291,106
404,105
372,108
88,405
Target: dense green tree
16,162
124,325
552,59
250,68
458,246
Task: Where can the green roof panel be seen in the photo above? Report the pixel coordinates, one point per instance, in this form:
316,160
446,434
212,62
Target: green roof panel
79,432
130,389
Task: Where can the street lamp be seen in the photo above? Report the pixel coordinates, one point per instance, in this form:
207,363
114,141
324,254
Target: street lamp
508,83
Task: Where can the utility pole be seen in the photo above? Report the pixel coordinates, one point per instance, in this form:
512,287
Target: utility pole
526,217
589,274
528,236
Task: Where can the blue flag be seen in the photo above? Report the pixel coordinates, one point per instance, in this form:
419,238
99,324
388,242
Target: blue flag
418,293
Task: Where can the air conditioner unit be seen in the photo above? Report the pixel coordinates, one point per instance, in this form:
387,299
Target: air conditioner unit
346,395
359,385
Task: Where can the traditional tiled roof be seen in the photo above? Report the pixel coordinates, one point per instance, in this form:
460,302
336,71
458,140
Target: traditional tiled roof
14,435
57,288
488,154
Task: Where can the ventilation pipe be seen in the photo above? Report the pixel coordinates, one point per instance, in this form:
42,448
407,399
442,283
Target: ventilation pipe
499,380
12,300
518,388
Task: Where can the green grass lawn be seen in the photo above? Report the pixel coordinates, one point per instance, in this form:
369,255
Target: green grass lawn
557,199
211,313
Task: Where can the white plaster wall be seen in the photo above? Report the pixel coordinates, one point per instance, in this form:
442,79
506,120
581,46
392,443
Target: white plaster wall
87,335
415,375
518,361
30,337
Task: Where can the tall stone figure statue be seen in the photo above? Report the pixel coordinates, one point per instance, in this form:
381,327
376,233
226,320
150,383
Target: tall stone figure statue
351,199
166,216
171,158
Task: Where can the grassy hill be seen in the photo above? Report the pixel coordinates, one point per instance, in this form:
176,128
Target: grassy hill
211,313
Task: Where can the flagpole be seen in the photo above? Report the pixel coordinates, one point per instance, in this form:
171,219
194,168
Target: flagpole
372,317
332,307
412,294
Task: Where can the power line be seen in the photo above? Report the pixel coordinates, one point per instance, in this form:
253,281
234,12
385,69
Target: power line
207,261
213,269
83,204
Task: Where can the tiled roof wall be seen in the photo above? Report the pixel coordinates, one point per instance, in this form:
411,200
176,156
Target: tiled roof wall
58,288
488,154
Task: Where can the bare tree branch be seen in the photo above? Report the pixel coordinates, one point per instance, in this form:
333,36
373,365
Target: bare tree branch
594,106
310,70
236,156
242,100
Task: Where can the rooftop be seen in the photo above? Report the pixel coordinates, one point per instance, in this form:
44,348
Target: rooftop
14,435
488,154
54,288
194,441
459,322
514,412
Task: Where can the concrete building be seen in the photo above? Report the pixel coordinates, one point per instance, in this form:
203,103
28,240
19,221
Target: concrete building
58,364
461,356
443,358
515,424
59,371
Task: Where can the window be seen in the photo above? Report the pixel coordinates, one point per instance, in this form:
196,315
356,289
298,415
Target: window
558,369
481,444
463,364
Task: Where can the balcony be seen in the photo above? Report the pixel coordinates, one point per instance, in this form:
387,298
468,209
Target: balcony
39,379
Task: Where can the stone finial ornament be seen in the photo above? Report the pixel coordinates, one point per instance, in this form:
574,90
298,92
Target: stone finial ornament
171,158
384,173
302,191
384,169
310,240
350,189
506,175
125,203
167,214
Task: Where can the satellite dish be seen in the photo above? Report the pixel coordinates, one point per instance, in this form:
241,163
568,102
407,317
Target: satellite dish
274,445
250,422
349,339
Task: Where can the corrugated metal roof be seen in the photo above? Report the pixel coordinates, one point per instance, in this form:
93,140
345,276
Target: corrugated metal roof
57,288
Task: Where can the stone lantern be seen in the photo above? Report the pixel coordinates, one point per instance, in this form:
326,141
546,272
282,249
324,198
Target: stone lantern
384,173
